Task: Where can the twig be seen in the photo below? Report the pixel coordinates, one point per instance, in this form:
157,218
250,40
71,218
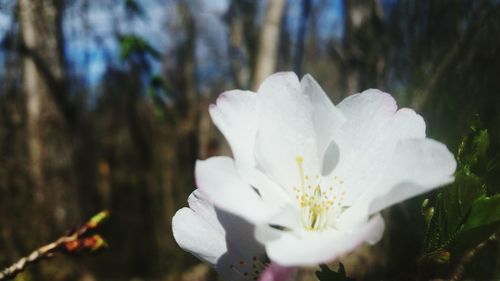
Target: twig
77,241
459,270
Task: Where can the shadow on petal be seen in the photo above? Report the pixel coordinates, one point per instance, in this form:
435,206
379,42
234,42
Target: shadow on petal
245,258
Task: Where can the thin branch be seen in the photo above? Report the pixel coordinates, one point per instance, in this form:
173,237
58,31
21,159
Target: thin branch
75,242
459,270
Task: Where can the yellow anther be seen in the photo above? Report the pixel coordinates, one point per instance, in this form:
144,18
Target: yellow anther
319,207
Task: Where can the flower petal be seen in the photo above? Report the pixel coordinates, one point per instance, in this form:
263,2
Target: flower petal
197,236
230,268
312,248
221,239
198,202
368,138
369,104
286,130
245,255
218,178
417,166
326,117
236,115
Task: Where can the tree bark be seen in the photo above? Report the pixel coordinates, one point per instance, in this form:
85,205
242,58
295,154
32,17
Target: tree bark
363,67
301,37
49,145
268,42
351,73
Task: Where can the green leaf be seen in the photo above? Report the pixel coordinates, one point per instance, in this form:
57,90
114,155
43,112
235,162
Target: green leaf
451,208
133,45
474,146
457,199
482,221
97,219
326,274
485,211
461,214
157,81
156,88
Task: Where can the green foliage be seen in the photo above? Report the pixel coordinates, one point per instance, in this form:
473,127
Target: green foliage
156,87
485,211
326,274
97,219
462,214
136,51
133,46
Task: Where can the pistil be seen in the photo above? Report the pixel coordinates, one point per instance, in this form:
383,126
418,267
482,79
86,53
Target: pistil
318,208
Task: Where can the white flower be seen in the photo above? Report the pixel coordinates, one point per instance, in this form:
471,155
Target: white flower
312,177
224,241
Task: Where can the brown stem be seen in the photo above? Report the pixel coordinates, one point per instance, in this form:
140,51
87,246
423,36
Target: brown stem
76,241
460,268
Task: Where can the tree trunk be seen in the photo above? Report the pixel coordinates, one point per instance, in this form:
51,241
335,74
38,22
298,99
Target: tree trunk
49,144
351,73
363,66
268,42
243,35
301,37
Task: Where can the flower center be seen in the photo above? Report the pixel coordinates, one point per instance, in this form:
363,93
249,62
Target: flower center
320,205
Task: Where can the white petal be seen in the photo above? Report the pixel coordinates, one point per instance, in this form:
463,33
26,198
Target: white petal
326,117
269,191
331,158
229,269
235,114
368,138
218,238
198,202
245,254
286,130
312,248
218,179
197,236
417,166
240,235
369,104
288,218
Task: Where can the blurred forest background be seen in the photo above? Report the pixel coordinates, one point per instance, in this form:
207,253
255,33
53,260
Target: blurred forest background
103,105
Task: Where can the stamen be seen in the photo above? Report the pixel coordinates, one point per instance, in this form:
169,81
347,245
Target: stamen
248,272
300,160
319,207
